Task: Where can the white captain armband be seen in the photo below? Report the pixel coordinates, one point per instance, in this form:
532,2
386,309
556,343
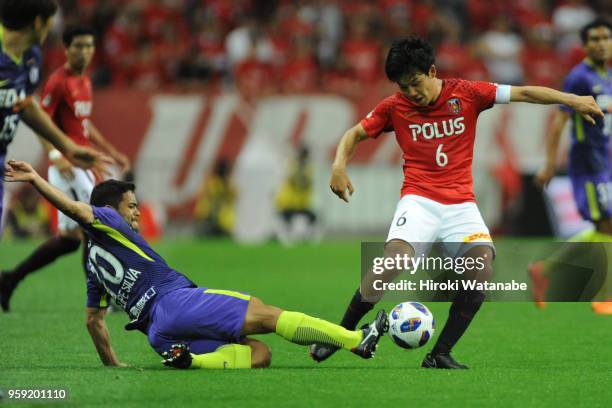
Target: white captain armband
502,94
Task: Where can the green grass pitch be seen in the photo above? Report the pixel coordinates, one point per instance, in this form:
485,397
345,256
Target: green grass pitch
519,356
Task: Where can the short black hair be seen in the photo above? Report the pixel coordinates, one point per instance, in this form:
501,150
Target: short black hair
74,31
110,192
598,22
18,14
409,56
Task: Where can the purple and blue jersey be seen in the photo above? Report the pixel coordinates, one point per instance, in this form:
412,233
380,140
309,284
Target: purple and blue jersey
161,302
122,265
589,152
589,156
18,80
19,77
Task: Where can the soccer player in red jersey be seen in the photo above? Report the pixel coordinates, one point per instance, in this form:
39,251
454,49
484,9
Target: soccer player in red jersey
67,99
435,125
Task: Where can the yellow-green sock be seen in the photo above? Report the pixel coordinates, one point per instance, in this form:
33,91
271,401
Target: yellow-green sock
601,237
303,329
583,236
228,356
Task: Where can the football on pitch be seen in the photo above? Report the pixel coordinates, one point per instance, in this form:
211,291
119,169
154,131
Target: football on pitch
411,325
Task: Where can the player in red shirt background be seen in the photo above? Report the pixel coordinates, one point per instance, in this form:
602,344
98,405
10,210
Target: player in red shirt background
67,99
435,125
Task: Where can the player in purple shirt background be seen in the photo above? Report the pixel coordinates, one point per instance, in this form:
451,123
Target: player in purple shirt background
24,27
589,157
189,326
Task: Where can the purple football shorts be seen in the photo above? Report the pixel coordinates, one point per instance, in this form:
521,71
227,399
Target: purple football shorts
204,319
592,195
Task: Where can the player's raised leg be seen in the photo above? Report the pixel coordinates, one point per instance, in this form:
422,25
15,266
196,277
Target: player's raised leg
300,328
45,254
591,194
211,326
543,271
68,240
364,299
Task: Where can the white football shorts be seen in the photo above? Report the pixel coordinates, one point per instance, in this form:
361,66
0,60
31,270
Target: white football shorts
78,188
421,222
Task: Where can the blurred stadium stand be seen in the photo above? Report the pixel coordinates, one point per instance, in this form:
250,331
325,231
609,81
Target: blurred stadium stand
182,84
313,45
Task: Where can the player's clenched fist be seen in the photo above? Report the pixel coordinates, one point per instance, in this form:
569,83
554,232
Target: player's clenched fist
340,183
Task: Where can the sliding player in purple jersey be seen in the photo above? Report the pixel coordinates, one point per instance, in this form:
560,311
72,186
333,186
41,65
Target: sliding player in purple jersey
24,27
189,326
589,157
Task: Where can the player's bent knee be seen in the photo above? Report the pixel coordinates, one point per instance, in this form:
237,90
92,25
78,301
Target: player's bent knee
483,259
261,355
370,283
398,246
260,318
486,273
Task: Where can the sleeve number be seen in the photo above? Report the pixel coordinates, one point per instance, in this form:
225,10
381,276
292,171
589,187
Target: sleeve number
10,125
441,157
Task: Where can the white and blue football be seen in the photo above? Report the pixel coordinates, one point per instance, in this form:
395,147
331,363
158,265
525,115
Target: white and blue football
411,325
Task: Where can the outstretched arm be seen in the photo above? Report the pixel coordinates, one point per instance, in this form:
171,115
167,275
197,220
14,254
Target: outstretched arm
99,139
585,105
40,122
547,172
101,338
22,171
340,183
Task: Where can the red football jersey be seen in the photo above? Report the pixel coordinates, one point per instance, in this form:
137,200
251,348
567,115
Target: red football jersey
437,140
67,98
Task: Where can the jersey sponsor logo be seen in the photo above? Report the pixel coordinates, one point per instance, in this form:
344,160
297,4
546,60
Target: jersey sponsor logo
82,108
437,130
136,310
454,105
11,97
479,236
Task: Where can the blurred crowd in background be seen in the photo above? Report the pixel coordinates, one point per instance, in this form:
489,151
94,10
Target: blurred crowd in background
333,46
263,47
